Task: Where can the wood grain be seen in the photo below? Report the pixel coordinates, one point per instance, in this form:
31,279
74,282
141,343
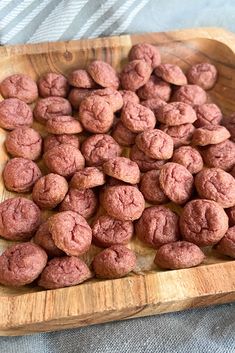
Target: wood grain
149,290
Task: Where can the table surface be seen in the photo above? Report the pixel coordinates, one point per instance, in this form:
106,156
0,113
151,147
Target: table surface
25,21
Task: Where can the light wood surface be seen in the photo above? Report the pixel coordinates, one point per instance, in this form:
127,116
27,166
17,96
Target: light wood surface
149,290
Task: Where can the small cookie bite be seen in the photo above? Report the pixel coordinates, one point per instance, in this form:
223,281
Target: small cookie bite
103,74
70,232
135,74
81,79
76,95
63,272
189,157
208,113
176,182
176,113
95,114
111,96
19,219
43,238
114,262
158,225
203,222
217,185
226,245
122,168
190,94
171,73
15,113
108,231
129,96
122,135
99,148
51,141
64,160
210,135
181,254
151,189
53,84
125,202
144,162
231,215
229,123
49,190
21,264
137,118
47,108
220,155
81,201
24,142
155,88
87,178
147,52
155,144
204,75
20,174
19,86
153,104
181,134
63,124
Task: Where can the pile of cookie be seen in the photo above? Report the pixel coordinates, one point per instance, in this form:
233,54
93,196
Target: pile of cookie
114,141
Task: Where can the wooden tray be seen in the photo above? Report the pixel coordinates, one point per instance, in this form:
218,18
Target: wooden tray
149,291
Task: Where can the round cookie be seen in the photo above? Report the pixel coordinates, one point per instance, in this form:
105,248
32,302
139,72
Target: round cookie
158,225
111,96
189,157
203,222
220,155
217,185
155,88
76,95
150,188
19,219
208,113
70,232
47,108
144,162
103,74
21,264
19,86
129,96
210,135
87,178
64,160
181,134
122,135
147,52
64,271
24,142
125,203
176,182
137,118
155,144
114,262
53,84
181,254
51,141
63,124
108,231
122,168
43,238
81,79
135,74
49,190
99,148
226,245
176,113
171,73
203,74
153,104
190,94
231,215
84,202
20,174
15,113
